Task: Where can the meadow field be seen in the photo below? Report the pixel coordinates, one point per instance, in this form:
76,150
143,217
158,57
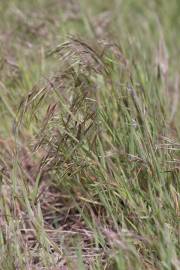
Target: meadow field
89,135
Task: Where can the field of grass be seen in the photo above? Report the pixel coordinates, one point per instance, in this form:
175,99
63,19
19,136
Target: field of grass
89,135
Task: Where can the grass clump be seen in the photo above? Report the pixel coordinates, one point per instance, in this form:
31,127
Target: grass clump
90,169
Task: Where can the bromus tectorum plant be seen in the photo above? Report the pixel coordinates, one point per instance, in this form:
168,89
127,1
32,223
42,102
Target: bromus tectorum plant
89,173
94,125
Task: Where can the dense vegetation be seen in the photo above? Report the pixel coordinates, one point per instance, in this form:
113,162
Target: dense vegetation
90,134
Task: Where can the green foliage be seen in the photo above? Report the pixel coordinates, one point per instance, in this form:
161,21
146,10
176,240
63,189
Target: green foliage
89,146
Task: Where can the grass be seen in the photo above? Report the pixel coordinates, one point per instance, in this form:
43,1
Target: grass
89,135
